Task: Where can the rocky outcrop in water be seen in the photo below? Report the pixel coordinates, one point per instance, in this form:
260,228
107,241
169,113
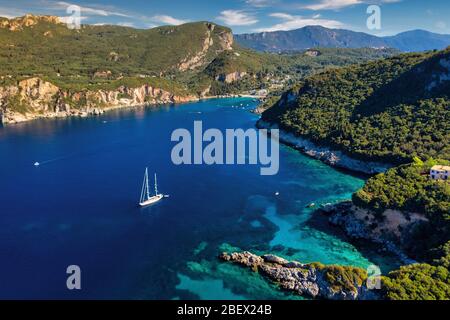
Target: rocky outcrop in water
35,98
331,157
313,280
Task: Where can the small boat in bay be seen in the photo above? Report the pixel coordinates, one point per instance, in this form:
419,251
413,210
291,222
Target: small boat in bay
147,199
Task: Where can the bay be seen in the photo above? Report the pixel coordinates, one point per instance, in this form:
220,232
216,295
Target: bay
79,207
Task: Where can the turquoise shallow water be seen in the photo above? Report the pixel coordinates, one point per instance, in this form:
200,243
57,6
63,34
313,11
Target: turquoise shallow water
79,207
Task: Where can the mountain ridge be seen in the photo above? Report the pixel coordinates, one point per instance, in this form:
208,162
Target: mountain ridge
318,36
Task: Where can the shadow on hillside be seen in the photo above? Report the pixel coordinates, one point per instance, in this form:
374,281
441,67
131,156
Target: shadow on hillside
408,88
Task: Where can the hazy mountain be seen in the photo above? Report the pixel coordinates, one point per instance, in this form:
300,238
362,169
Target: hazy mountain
317,36
418,40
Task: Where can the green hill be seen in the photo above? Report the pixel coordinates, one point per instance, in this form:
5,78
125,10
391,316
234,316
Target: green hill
395,110
50,48
193,59
193,53
277,72
389,110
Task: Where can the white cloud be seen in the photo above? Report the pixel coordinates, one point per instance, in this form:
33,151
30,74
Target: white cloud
292,22
331,4
260,3
441,24
338,4
10,13
237,18
91,11
165,19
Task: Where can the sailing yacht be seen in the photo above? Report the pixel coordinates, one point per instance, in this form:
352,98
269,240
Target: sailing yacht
146,198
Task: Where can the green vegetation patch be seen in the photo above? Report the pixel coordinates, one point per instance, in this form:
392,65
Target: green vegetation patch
418,282
342,277
15,103
388,110
408,188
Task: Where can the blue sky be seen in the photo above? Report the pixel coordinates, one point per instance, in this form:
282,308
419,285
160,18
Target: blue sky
249,15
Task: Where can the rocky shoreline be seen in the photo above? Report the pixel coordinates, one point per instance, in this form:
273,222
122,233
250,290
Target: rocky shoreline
331,157
35,98
313,280
39,99
361,224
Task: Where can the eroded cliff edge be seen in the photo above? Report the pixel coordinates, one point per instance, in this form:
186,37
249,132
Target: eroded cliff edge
35,98
327,155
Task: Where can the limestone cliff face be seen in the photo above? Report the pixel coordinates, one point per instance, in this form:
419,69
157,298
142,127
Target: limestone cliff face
35,98
28,20
231,77
395,230
443,75
224,41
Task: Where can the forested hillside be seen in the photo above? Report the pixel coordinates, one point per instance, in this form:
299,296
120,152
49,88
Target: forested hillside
395,110
45,47
96,67
389,110
194,54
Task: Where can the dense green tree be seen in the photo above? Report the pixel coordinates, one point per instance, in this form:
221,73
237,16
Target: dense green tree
418,282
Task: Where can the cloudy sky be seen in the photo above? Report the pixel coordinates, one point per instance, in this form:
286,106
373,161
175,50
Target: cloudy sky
249,15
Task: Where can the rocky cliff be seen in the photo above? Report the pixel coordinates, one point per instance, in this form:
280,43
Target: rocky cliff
394,231
28,20
331,157
35,98
197,59
313,280
231,77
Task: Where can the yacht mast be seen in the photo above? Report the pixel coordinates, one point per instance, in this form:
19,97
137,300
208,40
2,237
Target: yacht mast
156,186
145,190
142,191
146,183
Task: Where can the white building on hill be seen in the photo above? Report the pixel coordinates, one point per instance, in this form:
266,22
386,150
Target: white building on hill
440,172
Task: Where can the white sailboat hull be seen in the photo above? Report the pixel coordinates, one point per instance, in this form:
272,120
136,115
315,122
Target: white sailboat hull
151,200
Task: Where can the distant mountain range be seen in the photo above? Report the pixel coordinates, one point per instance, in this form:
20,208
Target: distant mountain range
317,36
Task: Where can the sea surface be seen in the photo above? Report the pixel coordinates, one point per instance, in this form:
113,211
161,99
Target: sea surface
79,207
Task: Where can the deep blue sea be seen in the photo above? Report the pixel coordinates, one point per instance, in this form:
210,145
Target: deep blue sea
79,207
